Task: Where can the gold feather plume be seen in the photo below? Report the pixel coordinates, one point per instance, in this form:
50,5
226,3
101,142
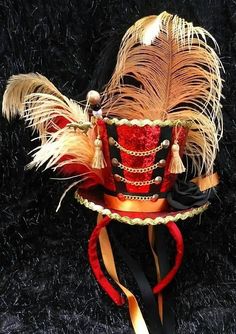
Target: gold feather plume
166,70
47,111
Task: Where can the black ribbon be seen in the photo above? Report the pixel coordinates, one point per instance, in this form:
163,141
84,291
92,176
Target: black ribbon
149,302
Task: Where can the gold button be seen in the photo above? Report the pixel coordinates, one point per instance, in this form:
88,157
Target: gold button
121,197
114,162
162,163
154,197
165,143
111,141
158,180
117,177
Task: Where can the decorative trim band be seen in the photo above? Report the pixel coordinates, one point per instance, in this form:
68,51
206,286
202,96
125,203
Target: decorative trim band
138,221
164,144
157,180
144,122
159,164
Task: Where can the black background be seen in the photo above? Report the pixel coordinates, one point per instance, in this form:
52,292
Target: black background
46,284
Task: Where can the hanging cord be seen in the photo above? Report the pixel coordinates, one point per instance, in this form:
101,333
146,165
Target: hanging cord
158,244
176,234
95,265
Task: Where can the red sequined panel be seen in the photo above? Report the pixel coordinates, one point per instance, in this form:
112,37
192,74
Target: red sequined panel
168,178
136,138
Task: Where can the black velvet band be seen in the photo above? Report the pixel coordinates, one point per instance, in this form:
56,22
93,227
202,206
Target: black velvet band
166,132
115,153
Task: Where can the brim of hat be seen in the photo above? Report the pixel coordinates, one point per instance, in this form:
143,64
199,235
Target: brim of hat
94,201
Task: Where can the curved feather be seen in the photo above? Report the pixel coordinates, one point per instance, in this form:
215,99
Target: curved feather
21,85
47,111
167,70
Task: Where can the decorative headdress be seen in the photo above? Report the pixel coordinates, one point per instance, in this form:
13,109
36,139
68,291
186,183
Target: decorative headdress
143,149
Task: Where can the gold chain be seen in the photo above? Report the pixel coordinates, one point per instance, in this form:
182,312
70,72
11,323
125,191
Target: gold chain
139,198
137,183
137,153
139,170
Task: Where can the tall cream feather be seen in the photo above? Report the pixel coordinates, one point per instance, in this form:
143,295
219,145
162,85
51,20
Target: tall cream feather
166,70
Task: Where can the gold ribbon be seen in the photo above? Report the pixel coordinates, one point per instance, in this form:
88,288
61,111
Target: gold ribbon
136,316
151,238
207,182
135,205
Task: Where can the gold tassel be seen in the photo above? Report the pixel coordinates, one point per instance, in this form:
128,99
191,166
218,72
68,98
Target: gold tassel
176,164
98,159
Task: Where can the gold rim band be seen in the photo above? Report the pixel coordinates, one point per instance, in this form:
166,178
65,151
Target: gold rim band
138,221
144,122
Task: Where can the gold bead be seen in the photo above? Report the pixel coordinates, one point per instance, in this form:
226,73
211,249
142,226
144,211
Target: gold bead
114,162
93,97
158,179
154,198
121,197
111,141
165,143
162,163
117,177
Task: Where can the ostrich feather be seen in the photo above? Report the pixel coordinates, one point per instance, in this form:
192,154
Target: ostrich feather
47,111
21,85
167,70
36,99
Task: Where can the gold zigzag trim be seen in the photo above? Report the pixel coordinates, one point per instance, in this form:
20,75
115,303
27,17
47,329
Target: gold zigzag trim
138,221
143,122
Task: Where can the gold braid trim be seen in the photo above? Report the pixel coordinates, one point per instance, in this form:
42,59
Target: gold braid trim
138,221
144,122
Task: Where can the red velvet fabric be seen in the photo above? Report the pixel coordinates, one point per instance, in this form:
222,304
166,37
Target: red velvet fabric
137,138
95,265
140,139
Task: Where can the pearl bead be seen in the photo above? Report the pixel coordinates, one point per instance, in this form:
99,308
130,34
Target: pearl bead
93,97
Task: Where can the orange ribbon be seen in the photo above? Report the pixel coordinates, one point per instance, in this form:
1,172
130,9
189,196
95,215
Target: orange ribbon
115,203
136,316
151,237
207,182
